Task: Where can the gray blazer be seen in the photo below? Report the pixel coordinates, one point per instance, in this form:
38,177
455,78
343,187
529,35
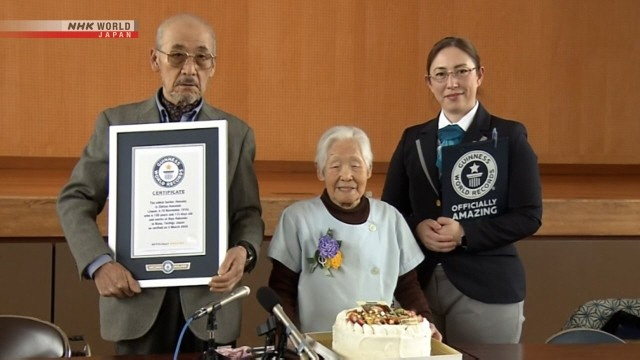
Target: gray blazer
84,197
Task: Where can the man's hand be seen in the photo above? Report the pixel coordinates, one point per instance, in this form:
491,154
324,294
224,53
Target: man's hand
434,236
113,279
230,271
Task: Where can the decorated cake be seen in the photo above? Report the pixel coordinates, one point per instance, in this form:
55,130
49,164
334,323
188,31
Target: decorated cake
375,331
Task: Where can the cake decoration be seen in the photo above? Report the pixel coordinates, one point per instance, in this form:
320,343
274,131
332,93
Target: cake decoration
374,330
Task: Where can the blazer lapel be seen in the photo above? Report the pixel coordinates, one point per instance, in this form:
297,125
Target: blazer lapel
429,143
148,112
210,113
480,128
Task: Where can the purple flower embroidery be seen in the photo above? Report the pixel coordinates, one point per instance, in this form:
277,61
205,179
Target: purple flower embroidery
328,246
328,254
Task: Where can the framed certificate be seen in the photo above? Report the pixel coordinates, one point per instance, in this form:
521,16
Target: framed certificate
168,200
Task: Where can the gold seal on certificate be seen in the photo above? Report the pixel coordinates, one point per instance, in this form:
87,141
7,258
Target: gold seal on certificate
168,218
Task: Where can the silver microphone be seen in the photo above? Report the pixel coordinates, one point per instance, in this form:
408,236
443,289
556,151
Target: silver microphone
270,301
242,291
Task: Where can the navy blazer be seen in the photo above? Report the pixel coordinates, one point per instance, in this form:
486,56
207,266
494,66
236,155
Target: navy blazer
488,268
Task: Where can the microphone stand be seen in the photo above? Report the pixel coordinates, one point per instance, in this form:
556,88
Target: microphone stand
210,353
301,348
269,330
282,344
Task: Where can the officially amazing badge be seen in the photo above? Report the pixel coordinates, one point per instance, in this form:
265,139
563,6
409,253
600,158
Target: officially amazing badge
474,174
474,188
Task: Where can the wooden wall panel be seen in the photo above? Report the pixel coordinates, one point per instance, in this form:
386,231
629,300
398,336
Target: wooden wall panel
76,303
566,272
293,68
25,279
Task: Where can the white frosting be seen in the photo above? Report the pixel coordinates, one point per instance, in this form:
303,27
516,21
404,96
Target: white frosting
353,341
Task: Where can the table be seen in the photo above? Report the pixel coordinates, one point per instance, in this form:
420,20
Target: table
527,351
532,351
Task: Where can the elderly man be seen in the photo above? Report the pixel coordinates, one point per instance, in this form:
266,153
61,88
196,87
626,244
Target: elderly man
149,320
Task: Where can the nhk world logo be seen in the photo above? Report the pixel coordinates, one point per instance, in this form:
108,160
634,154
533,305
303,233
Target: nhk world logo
79,29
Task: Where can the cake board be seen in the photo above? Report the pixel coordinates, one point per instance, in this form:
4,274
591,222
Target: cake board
321,343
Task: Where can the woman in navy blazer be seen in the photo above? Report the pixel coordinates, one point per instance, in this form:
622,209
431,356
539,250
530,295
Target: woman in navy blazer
472,275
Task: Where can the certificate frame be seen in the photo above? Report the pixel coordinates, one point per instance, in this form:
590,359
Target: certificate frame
168,228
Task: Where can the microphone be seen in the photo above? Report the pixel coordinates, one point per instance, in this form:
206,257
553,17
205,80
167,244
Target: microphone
242,291
270,301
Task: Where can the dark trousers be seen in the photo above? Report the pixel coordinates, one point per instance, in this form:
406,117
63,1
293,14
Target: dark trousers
163,336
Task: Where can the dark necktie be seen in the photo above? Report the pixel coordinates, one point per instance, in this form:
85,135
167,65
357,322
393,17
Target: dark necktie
447,136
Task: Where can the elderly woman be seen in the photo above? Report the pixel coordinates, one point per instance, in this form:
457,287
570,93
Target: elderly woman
341,247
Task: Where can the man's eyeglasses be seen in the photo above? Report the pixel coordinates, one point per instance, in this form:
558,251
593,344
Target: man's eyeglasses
442,76
179,58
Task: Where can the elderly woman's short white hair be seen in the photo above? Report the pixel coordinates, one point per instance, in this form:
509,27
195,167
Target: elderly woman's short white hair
342,132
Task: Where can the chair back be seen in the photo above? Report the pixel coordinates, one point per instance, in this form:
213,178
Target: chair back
26,337
595,313
583,336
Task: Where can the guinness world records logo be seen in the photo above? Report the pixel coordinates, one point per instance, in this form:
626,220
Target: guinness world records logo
167,266
474,174
168,171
